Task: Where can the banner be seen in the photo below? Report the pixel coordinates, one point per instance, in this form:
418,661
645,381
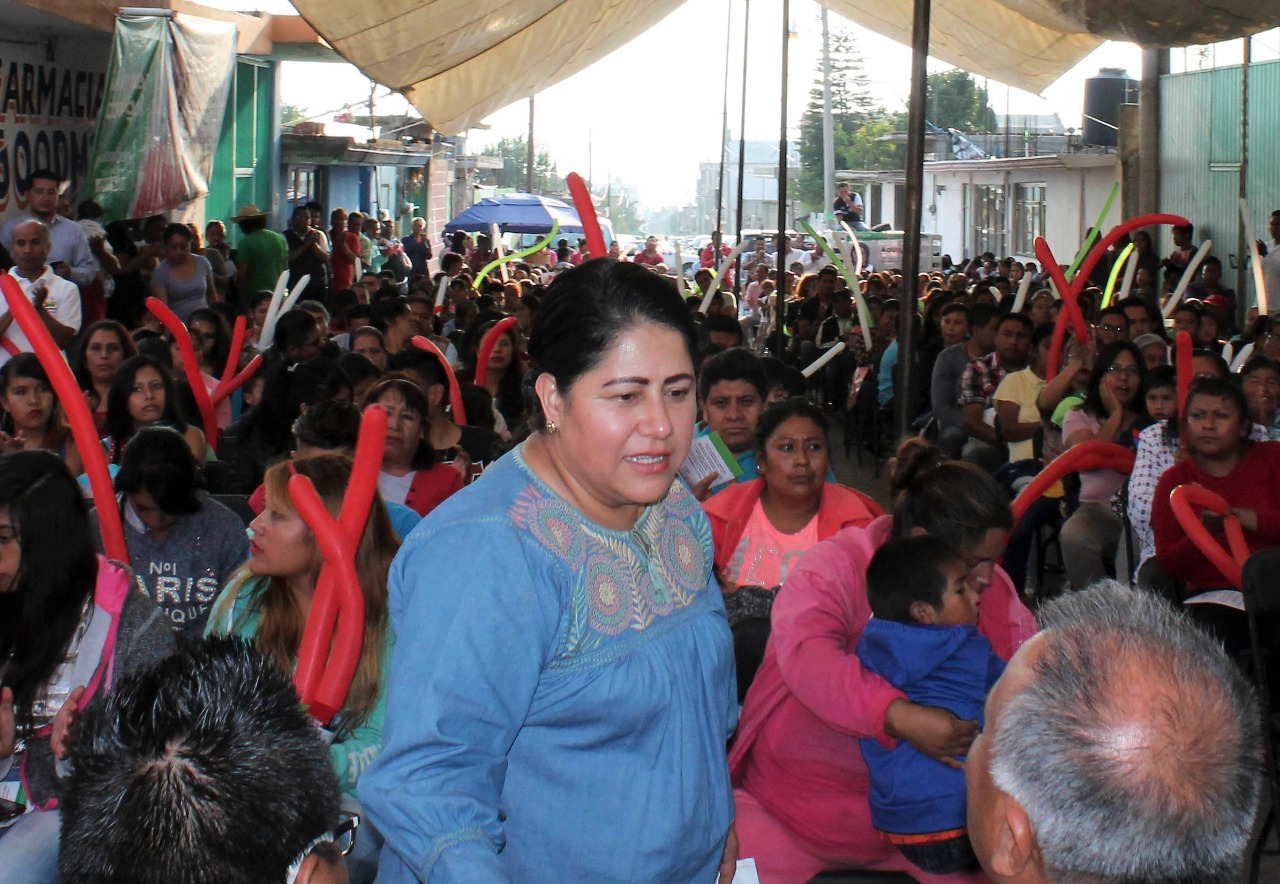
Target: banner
47,114
167,88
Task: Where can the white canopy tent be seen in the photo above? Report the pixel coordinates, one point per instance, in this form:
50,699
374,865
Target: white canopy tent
458,61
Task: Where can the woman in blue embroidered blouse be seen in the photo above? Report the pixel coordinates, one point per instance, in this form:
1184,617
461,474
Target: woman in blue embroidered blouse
559,701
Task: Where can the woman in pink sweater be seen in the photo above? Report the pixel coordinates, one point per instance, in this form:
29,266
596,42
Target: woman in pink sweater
800,781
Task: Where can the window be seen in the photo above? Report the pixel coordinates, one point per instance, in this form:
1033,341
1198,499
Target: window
984,212
1028,217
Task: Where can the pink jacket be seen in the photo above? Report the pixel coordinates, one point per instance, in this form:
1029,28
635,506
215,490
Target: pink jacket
730,510
811,699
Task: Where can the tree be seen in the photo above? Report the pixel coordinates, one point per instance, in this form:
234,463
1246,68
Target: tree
856,123
514,172
291,113
956,101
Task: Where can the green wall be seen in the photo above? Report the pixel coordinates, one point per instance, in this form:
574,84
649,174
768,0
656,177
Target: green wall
1200,154
244,168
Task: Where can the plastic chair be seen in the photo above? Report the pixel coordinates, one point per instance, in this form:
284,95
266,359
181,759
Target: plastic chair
1262,608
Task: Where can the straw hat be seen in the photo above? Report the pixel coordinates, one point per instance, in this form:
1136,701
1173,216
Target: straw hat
249,211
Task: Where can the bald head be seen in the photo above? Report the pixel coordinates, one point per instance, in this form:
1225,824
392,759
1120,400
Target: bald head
30,248
1124,743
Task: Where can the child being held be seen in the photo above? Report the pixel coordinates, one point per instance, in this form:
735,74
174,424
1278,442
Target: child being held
924,641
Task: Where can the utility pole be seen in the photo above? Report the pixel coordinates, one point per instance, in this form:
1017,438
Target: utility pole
531,153
782,291
724,127
742,148
828,124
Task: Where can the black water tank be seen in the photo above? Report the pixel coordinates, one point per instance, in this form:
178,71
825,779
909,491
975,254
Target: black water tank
1103,96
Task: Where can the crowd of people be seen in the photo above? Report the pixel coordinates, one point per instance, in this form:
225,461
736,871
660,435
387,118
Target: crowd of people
563,627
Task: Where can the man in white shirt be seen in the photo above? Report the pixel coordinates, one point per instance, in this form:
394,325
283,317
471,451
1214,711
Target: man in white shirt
1271,263
57,300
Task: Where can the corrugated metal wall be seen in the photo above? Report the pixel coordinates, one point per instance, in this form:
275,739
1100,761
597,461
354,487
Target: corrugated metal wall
1200,153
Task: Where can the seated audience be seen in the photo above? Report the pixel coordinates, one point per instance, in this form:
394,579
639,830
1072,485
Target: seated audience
32,417
410,474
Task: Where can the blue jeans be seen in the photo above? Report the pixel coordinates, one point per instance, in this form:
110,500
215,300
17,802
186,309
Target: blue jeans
29,849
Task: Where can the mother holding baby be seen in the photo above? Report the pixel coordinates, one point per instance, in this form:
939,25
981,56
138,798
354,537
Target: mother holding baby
801,786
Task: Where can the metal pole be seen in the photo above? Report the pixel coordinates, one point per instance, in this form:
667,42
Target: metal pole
909,294
1242,274
782,180
532,153
828,124
724,128
742,150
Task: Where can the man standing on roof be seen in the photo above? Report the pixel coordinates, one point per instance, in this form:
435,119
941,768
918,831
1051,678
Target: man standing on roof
848,206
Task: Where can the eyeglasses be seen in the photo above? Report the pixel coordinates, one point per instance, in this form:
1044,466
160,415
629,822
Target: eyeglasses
1114,329
1131,370
342,837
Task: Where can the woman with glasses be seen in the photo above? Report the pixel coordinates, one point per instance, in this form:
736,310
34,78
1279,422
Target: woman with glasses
1112,404
410,474
801,784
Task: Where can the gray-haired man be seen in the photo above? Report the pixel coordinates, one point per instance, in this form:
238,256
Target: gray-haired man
1121,745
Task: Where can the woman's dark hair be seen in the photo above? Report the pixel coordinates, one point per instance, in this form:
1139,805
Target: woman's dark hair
780,412
158,460
119,422
532,302
176,229
156,345
1041,332
333,425
1221,388
78,362
221,334
261,297
407,387
1101,365
588,307
951,500
27,365
56,574
368,331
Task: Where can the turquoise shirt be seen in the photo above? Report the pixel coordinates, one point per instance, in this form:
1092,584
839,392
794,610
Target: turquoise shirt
560,696
352,749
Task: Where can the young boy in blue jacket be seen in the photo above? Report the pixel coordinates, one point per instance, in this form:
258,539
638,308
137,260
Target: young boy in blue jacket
924,641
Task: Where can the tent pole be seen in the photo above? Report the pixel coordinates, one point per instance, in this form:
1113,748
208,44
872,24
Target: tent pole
531,153
724,129
909,294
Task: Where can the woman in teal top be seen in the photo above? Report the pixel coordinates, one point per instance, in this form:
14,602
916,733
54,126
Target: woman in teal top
268,600
559,701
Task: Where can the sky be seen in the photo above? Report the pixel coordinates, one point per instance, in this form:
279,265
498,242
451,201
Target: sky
651,112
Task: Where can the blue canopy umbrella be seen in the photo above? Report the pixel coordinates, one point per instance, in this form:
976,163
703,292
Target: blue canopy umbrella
517,213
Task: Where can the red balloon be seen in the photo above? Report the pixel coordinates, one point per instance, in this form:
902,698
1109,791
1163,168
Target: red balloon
1070,297
1095,455
1183,501
190,366
1095,254
334,635
78,415
455,392
487,344
1183,352
587,212
231,379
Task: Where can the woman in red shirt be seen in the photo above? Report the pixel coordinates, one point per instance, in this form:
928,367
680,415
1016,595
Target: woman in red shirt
1224,460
